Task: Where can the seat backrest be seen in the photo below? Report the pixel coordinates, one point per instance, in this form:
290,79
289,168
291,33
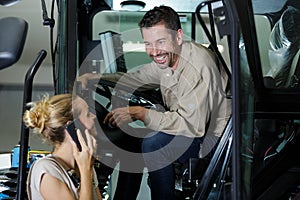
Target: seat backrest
12,39
294,75
284,45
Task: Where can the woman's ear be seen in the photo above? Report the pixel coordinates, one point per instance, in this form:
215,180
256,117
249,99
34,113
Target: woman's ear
69,127
68,122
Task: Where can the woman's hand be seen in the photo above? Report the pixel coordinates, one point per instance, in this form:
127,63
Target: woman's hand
84,160
84,157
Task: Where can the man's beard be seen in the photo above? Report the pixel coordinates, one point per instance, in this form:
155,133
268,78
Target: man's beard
174,55
172,59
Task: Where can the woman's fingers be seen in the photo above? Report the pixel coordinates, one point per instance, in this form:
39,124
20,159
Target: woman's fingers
88,138
80,138
74,147
84,157
91,141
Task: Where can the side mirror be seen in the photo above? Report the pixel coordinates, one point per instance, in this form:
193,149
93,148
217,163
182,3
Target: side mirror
13,33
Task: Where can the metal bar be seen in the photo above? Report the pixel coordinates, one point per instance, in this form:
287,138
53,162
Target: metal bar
210,37
27,97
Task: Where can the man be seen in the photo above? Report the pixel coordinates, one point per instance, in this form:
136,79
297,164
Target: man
191,86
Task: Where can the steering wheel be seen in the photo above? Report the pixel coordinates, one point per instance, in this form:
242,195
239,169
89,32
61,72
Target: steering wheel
122,95
119,96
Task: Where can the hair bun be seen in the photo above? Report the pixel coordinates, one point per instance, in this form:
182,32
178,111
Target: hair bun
38,115
30,119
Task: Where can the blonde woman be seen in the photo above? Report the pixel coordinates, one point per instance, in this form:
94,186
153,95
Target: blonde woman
67,173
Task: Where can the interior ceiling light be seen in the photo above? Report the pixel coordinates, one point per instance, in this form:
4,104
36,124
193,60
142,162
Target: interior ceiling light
133,5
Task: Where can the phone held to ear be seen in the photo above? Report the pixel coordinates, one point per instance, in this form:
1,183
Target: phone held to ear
72,128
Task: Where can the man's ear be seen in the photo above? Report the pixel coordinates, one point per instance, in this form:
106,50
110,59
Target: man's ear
179,36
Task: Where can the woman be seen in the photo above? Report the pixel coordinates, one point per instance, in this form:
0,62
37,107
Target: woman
67,173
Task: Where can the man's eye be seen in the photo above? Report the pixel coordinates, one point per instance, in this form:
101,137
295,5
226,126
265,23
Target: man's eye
161,41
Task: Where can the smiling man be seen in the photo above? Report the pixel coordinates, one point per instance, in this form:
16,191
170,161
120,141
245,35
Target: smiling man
190,85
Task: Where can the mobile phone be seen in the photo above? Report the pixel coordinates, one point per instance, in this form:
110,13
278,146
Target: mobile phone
72,128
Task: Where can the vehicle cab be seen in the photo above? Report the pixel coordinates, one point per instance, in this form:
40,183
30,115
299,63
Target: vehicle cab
256,42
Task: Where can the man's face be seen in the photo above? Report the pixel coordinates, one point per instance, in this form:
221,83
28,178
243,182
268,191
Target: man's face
161,46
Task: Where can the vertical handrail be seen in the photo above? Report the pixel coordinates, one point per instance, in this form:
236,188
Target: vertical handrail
211,38
24,139
221,156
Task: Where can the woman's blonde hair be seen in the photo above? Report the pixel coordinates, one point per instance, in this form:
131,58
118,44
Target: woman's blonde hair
49,116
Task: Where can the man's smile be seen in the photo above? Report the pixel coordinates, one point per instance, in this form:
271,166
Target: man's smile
161,58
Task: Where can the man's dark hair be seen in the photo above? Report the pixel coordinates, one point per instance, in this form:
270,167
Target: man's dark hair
161,14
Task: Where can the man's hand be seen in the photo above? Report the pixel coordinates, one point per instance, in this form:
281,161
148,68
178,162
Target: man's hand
86,77
125,115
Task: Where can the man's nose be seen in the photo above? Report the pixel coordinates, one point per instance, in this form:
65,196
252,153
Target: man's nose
154,50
